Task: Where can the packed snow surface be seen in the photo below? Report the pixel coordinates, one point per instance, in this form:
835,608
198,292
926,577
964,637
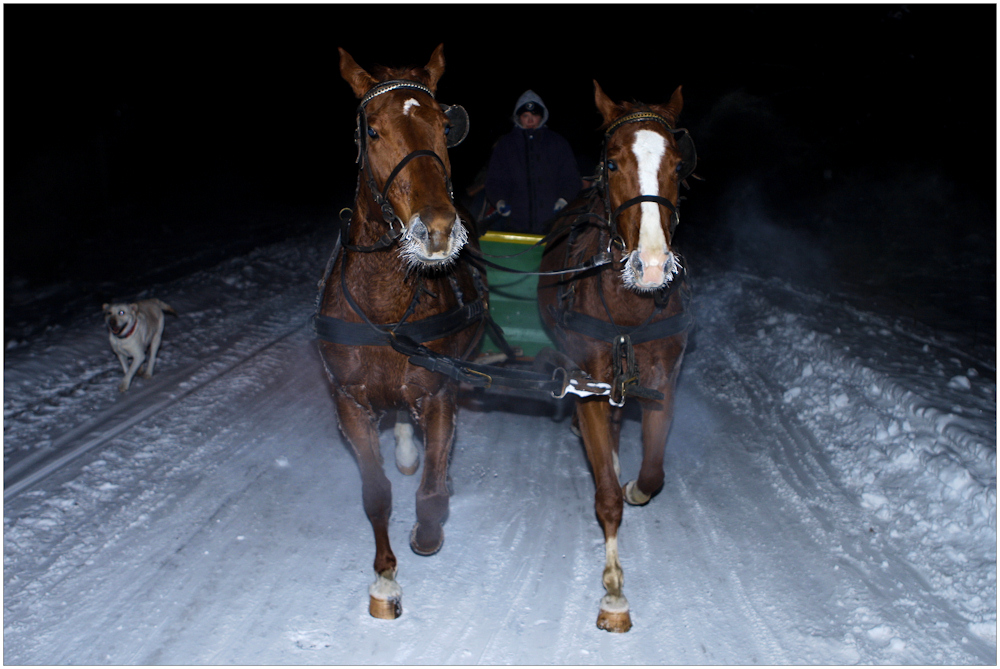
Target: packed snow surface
830,497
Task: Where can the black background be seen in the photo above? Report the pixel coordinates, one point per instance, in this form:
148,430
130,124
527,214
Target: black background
142,122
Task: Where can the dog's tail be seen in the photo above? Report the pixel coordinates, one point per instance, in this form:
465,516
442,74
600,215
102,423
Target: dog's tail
165,307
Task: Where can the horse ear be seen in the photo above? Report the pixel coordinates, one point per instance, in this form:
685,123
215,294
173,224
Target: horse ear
353,74
675,105
604,104
435,67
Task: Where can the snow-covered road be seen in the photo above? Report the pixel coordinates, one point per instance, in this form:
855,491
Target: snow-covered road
830,498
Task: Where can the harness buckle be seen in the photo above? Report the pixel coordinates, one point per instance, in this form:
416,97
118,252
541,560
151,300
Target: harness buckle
489,379
624,368
602,258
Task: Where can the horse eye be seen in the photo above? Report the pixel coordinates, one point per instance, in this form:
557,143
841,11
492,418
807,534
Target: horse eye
372,133
612,165
447,129
680,167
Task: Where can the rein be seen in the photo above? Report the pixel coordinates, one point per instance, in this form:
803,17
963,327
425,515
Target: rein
603,259
406,337
600,260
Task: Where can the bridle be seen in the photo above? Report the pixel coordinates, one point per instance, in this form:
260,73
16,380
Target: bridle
688,161
405,335
456,115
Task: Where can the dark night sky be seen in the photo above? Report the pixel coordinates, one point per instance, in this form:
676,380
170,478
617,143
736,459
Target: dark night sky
111,108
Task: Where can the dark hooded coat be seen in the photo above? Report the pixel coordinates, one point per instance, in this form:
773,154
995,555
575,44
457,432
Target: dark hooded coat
530,170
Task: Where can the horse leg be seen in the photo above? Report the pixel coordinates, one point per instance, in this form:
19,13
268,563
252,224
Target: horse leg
656,420
360,425
595,416
437,419
615,427
407,456
616,430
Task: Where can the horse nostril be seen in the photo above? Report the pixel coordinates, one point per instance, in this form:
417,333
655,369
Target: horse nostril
636,263
419,231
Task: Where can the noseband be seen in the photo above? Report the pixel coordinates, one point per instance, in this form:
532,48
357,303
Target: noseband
361,134
688,162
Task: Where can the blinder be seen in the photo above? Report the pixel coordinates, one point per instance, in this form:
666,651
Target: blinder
459,120
689,157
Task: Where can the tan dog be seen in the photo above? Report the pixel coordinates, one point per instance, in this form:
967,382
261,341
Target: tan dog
134,327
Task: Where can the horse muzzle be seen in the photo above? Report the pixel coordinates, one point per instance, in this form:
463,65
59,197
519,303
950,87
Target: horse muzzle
646,275
435,243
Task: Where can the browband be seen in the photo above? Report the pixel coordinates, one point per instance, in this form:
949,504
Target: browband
392,85
637,116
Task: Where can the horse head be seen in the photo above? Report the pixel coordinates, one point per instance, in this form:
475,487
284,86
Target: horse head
645,160
403,142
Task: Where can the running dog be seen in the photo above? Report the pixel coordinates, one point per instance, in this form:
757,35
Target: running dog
134,327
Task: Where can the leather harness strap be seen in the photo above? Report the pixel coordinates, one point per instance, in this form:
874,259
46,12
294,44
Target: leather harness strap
339,331
406,337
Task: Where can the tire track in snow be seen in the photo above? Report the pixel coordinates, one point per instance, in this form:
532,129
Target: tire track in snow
798,474
807,480
186,562
119,418
713,546
545,501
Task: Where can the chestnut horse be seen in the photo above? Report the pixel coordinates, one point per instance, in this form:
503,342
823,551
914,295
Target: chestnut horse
626,328
394,281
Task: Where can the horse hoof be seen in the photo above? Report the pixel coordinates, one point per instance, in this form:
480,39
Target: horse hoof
614,615
614,621
385,597
385,609
408,470
633,495
426,541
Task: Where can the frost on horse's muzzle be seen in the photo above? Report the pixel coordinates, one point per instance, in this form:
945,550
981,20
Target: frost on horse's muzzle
646,277
431,246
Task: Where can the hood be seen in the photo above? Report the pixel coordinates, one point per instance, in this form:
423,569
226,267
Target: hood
530,95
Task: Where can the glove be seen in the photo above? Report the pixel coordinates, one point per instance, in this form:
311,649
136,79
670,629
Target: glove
503,208
560,203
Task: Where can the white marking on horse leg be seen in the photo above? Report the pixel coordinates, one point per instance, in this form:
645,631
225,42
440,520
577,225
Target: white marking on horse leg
385,587
409,104
649,148
617,464
407,454
385,597
614,601
634,496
